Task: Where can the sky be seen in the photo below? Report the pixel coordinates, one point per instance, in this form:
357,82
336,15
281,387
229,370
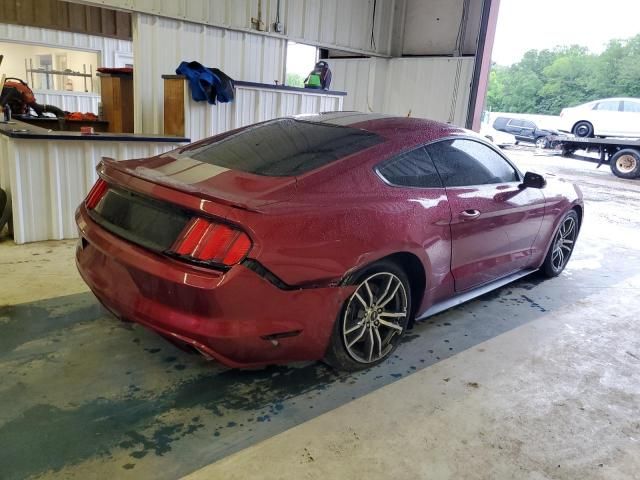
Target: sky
301,58
538,24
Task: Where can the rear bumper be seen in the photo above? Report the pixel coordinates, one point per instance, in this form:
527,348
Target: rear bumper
224,315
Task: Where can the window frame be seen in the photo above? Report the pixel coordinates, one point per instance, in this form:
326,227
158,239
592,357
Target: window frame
619,109
378,173
444,187
511,123
624,103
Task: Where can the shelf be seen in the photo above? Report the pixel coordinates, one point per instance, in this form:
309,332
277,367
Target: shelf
59,72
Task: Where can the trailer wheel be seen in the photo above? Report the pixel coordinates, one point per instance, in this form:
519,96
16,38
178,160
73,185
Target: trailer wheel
626,163
583,129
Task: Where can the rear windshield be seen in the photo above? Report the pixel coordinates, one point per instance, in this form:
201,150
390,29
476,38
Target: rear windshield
285,147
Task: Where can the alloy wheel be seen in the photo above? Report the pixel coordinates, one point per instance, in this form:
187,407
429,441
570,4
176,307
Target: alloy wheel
563,243
375,317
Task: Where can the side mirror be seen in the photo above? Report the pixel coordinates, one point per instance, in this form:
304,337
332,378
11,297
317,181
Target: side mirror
533,180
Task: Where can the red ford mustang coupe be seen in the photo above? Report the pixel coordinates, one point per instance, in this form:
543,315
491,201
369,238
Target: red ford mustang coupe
316,237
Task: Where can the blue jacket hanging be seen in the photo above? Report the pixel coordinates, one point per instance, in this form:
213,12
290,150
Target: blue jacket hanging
208,84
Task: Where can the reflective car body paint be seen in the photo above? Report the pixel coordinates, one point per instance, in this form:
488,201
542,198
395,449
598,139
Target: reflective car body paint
310,232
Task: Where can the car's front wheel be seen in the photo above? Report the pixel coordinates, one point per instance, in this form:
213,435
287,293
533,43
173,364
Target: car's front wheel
564,240
373,319
542,143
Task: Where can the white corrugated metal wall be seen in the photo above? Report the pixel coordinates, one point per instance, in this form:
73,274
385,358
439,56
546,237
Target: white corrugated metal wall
252,105
342,24
108,47
169,31
163,43
364,79
48,180
69,101
436,88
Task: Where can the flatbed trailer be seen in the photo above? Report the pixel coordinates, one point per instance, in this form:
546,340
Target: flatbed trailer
622,154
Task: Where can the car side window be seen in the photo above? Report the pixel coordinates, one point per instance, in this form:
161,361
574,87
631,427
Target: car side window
411,169
609,106
515,123
632,107
531,125
463,163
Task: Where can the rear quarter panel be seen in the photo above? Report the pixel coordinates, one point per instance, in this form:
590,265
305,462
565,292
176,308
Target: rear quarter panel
347,218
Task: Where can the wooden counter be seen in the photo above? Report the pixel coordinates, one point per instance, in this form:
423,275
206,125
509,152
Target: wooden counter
116,90
62,124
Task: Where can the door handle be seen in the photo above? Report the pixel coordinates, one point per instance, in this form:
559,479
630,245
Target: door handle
469,214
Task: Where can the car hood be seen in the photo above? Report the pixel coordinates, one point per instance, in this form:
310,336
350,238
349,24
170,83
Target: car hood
227,186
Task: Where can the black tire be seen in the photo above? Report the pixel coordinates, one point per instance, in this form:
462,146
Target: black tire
583,129
367,332
552,267
5,209
542,142
625,163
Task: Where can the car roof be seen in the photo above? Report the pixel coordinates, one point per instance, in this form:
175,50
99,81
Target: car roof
612,99
406,130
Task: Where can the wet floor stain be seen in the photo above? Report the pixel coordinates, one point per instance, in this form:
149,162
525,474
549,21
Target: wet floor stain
78,385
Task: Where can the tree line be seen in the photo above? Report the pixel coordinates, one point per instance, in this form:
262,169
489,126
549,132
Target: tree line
546,81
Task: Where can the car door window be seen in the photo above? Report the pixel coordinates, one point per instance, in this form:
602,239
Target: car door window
515,123
530,125
411,169
609,106
633,107
463,162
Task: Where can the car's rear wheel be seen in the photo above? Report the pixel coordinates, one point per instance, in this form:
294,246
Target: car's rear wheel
561,248
373,319
626,163
583,129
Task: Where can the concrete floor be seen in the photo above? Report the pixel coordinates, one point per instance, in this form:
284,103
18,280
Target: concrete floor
540,379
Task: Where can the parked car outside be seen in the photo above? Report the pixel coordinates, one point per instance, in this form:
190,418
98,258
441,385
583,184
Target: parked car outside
609,117
501,139
316,237
524,130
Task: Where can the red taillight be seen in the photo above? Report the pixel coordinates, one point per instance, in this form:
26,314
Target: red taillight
96,193
212,242
237,250
191,235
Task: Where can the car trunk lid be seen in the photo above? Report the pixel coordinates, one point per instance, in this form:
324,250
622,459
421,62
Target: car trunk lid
222,185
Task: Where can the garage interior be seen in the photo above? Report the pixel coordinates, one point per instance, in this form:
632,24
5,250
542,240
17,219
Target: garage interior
539,379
